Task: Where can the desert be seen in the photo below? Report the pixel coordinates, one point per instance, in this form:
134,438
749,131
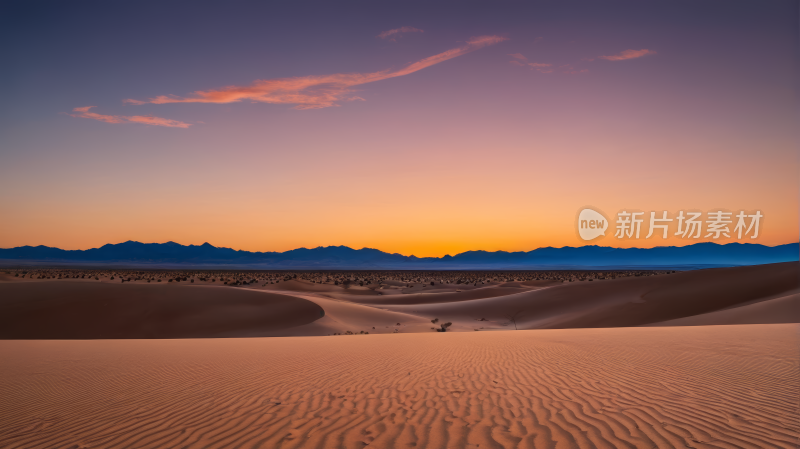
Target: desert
704,358
111,304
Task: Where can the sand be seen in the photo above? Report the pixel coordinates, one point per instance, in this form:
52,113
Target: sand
700,387
780,309
690,359
88,309
627,302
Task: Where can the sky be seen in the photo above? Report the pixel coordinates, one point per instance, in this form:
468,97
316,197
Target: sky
423,128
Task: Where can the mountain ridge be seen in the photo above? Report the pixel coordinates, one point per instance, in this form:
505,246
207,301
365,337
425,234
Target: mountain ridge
171,254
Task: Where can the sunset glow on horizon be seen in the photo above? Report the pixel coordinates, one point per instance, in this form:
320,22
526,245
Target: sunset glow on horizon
418,130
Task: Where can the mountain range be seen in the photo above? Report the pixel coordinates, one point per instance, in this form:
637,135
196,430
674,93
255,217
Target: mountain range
132,254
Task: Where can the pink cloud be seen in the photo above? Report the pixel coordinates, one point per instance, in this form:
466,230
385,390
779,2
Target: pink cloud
628,54
83,112
395,33
522,61
314,92
157,121
132,101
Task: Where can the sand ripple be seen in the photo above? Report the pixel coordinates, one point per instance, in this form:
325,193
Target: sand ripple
701,387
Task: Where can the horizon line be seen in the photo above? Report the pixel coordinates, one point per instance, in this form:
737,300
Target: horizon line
404,255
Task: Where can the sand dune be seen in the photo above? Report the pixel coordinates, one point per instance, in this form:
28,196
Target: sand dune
343,316
439,296
84,310
783,309
679,383
77,308
308,287
700,387
621,302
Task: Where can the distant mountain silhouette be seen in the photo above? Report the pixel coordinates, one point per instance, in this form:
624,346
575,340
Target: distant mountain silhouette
173,255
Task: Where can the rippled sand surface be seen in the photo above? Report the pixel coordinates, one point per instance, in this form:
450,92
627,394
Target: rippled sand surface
701,387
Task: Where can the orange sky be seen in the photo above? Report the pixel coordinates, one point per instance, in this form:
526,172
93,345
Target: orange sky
431,206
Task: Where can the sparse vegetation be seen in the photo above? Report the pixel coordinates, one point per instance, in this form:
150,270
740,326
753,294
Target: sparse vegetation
377,281
513,317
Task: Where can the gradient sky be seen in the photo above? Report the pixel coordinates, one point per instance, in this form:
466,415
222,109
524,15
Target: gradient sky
416,128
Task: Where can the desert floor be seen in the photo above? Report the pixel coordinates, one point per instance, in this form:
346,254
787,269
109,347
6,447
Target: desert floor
702,386
707,358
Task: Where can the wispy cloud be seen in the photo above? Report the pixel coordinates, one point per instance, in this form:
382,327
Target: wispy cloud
522,61
628,54
314,92
83,112
395,33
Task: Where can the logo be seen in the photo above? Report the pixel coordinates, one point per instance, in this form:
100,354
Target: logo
688,224
591,224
